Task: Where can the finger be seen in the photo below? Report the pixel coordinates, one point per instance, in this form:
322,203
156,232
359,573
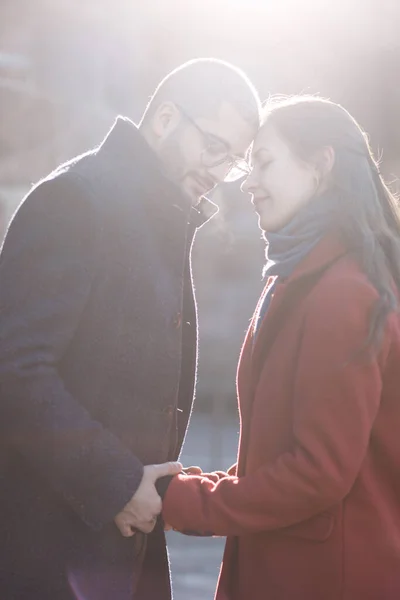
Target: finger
169,468
193,471
147,527
125,529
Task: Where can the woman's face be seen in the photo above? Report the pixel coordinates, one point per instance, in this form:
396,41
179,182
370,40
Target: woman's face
280,183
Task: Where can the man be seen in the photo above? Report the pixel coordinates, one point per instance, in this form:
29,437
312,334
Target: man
98,341
2,220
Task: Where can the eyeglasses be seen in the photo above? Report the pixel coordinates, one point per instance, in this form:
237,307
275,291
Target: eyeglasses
216,152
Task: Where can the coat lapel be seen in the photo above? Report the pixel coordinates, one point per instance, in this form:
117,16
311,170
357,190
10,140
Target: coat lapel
288,294
286,298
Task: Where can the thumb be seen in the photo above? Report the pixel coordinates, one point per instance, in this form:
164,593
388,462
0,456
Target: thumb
169,468
193,471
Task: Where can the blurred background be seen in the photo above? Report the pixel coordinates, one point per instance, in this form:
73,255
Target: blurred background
68,67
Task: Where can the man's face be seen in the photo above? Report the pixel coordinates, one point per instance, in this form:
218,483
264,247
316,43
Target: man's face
198,153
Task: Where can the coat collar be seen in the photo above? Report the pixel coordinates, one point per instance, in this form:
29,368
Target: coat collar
328,250
288,293
125,143
203,212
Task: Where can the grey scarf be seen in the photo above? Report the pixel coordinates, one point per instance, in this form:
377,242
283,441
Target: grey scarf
287,247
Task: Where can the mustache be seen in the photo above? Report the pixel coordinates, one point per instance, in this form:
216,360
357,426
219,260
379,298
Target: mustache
206,182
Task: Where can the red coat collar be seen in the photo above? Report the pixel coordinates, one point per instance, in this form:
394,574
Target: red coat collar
329,249
288,293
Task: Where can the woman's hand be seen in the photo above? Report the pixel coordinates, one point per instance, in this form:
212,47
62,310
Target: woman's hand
187,471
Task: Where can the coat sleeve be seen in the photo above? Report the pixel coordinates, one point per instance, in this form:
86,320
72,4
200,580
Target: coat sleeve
47,267
335,401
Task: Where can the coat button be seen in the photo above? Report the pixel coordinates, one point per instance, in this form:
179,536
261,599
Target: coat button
177,320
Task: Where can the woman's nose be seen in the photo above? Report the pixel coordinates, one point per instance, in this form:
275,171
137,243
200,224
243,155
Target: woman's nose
249,184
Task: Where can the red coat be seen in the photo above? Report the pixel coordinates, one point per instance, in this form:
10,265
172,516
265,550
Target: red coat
314,511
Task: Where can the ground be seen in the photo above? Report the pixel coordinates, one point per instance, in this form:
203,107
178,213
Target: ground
195,562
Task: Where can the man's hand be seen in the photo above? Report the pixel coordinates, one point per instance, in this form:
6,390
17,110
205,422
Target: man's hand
142,511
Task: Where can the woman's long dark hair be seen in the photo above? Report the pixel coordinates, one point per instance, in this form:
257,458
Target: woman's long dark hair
367,212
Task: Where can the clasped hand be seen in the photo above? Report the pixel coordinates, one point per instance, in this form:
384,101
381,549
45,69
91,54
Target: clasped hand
142,510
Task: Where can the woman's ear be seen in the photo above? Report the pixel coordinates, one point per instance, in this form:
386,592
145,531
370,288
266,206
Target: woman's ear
324,161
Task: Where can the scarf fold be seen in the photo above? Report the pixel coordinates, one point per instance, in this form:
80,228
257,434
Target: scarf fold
287,247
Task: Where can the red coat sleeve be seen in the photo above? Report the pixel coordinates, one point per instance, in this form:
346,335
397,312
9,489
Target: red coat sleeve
336,402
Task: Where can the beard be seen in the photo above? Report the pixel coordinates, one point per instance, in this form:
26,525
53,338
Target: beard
176,167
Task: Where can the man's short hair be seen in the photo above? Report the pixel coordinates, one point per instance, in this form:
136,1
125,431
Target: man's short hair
201,85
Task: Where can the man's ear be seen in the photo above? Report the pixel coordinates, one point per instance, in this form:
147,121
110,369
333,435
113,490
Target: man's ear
165,119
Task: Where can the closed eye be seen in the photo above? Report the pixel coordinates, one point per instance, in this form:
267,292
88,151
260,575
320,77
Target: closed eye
215,148
265,165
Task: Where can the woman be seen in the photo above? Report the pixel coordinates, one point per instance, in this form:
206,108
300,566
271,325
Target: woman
312,508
